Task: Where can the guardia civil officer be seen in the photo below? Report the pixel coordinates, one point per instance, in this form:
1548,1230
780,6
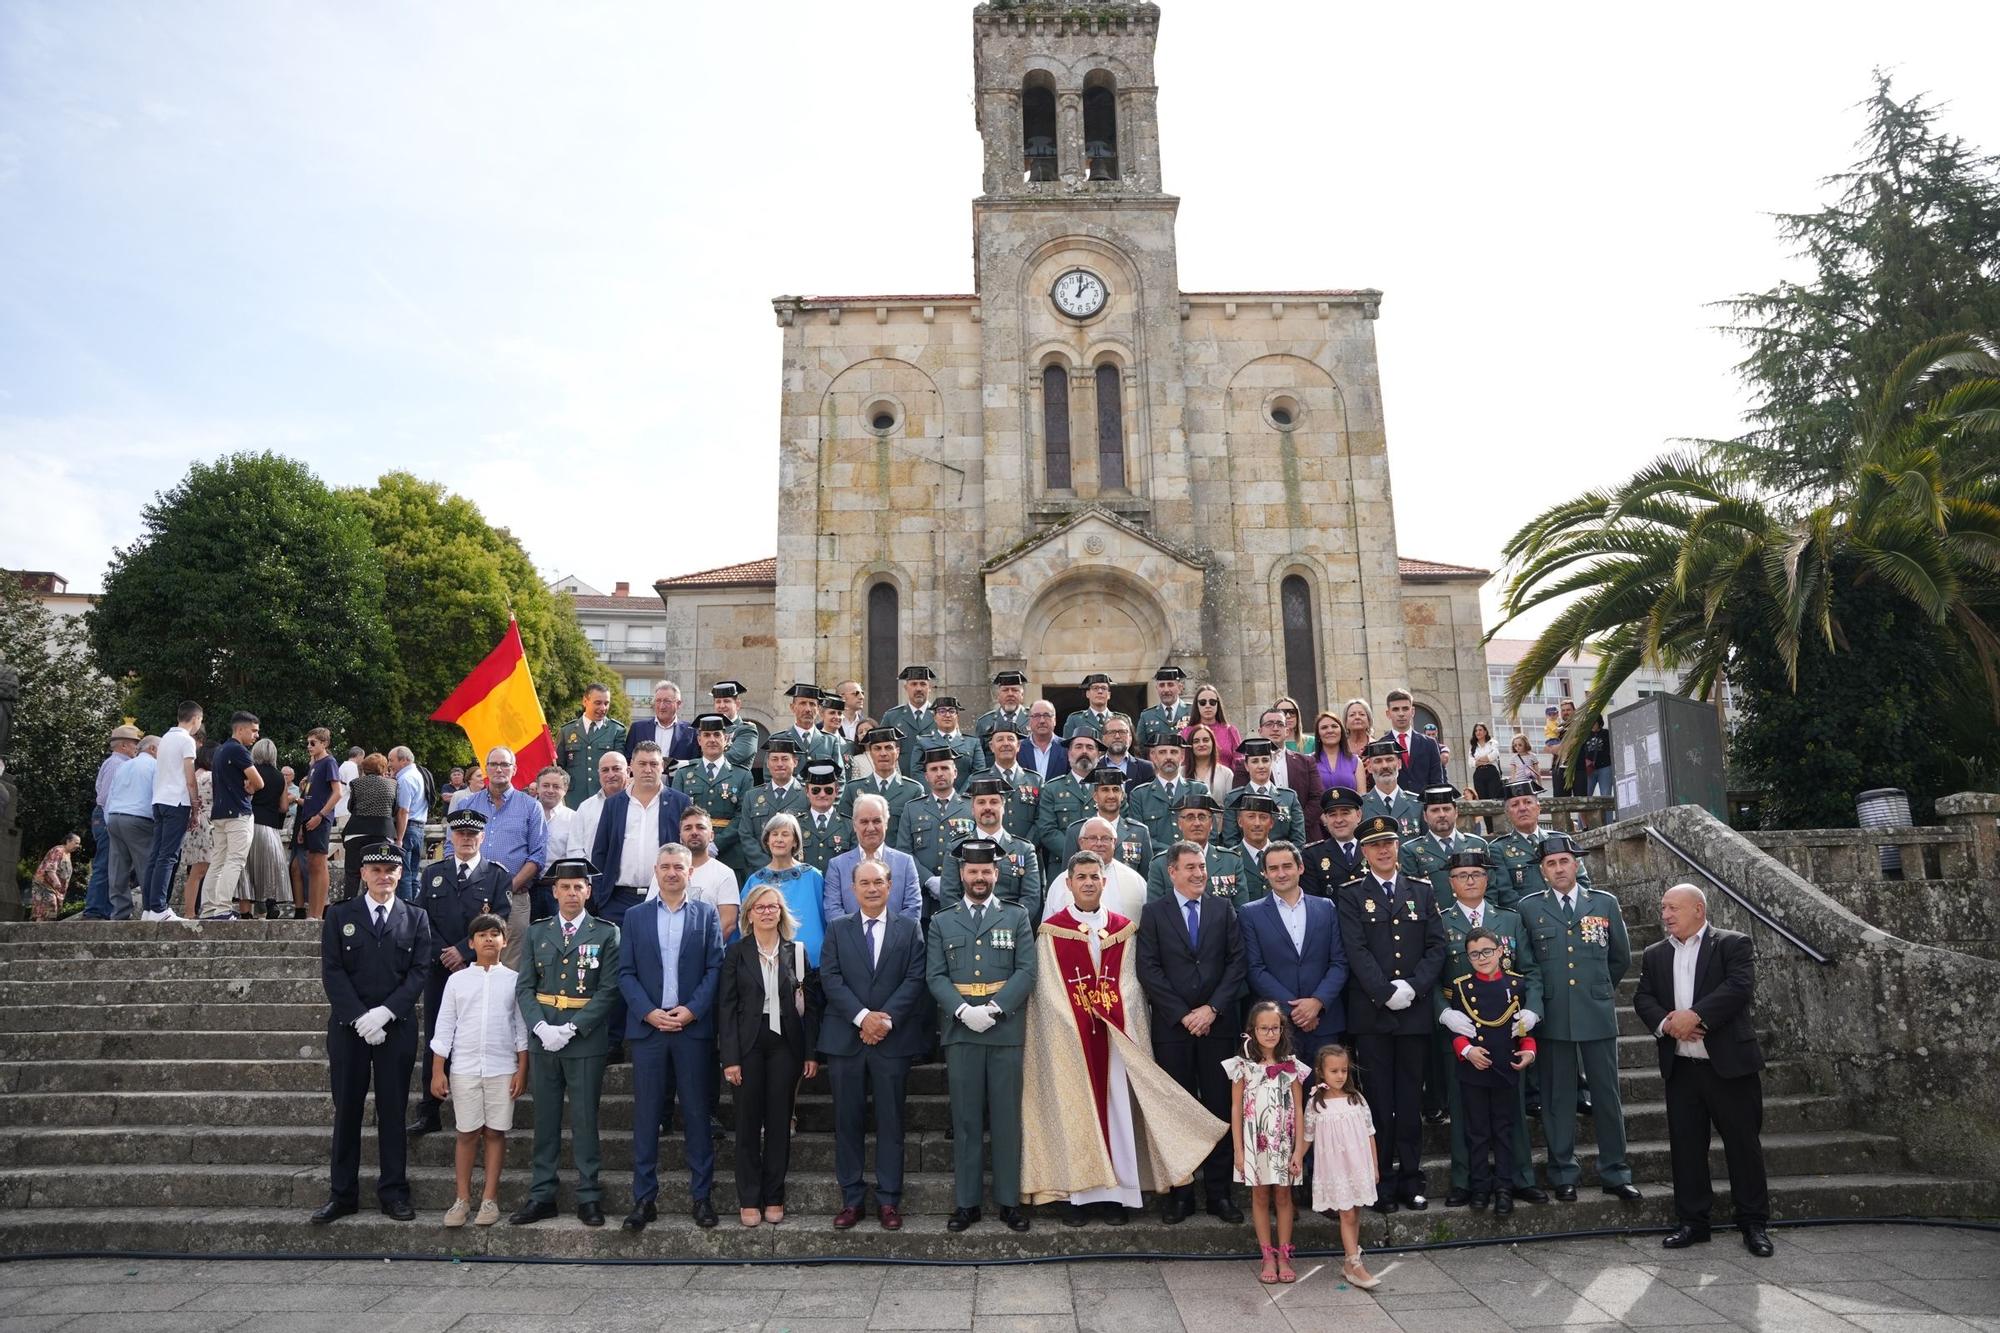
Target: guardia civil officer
741,748
585,739
374,957
1010,689
451,892
1172,712
813,743
914,717
981,971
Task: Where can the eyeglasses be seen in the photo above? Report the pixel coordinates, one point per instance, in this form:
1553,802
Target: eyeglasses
497,763
1481,953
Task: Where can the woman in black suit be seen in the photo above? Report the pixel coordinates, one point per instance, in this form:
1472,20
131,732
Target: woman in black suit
767,1030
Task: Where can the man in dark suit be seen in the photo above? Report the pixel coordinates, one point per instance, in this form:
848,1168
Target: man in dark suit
872,970
452,892
1335,858
1192,968
1043,753
1696,993
1291,947
1423,762
669,964
374,956
624,873
1395,951
665,728
1117,746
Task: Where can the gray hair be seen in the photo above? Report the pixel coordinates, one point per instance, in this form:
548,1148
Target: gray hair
686,856
149,745
876,862
871,799
402,752
265,751
1096,822
668,685
784,819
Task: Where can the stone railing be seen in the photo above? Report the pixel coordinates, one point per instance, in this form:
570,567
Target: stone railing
1570,813
1898,1029
1967,847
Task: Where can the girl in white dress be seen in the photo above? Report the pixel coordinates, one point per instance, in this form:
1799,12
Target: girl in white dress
1264,1119
1339,1126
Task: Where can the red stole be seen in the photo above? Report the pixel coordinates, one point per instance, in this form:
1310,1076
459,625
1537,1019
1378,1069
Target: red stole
1093,995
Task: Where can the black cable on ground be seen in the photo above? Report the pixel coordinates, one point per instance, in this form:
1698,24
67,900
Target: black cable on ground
869,1261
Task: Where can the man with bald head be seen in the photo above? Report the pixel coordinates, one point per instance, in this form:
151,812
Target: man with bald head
1696,994
517,832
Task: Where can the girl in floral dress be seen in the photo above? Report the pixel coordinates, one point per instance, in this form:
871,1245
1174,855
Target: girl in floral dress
1339,1126
1264,1119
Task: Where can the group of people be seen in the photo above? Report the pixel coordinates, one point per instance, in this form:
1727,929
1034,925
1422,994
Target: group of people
1211,989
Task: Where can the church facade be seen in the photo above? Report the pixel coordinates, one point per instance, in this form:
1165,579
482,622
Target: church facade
1079,465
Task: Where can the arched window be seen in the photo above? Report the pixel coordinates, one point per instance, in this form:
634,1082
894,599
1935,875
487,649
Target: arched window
884,643
1301,646
1110,428
1055,424
1038,127
1100,126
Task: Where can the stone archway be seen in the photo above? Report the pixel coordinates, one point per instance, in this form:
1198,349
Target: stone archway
1095,619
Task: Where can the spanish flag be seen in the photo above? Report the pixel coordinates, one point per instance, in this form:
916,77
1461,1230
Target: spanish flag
496,705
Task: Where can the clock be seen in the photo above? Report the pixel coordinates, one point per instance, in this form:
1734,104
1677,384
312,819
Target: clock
1078,293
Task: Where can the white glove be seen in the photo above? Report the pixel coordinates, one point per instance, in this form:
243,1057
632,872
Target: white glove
932,884
1404,993
1455,1020
553,1038
375,1036
569,1032
374,1021
978,1019
1527,1018
994,1010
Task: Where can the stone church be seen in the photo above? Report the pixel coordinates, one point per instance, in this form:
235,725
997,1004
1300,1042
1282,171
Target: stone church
1079,464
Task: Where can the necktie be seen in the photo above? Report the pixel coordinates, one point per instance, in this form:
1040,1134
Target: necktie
381,920
1403,744
1194,923
943,804
868,925
462,872
711,772
978,918
569,931
821,821
1347,850
1569,910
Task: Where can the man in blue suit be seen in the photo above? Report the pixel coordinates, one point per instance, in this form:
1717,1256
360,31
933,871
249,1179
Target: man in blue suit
664,728
871,967
1423,762
1291,944
629,842
871,827
668,969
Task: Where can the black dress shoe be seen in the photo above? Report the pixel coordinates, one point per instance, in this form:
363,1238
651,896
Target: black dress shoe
1226,1209
1437,1117
1177,1208
1478,1202
1583,1106
1685,1236
642,1213
1503,1204
422,1125
591,1213
1534,1110
1416,1203
1115,1214
961,1218
1385,1206
332,1210
1565,1194
1530,1194
703,1213
1014,1219
1757,1241
534,1210
1625,1193
1072,1215
1458,1198
399,1210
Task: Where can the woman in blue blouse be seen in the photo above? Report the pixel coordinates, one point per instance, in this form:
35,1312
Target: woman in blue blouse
800,883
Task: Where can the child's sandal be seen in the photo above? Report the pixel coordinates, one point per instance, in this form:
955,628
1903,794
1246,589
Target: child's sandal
1357,1276
1270,1271
1285,1270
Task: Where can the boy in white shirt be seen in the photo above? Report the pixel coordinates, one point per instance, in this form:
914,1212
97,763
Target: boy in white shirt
481,1023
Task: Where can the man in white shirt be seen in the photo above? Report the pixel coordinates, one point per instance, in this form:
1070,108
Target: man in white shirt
350,769
1041,751
612,775
709,880
551,791
173,810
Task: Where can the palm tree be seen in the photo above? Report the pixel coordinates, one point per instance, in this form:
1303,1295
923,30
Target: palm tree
1686,564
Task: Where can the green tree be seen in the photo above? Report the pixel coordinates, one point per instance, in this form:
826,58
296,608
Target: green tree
451,579
252,586
66,710
1908,251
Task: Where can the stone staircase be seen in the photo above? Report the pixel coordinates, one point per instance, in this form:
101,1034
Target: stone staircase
163,1089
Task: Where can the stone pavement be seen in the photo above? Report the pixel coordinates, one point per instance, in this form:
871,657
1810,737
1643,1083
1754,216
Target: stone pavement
1837,1278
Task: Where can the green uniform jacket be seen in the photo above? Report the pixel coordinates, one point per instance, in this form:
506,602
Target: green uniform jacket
965,749
1021,879
1152,804
1225,876
983,728
1517,868
898,791
821,848
1002,953
1516,956
1023,801
1155,720
928,833
1290,823
1406,810
764,803
816,744
1083,722
1424,858
744,738
1064,800
724,797
1134,845
577,754
586,967
905,720
1581,964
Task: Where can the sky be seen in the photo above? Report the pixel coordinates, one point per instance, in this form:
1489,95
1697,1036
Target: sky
529,249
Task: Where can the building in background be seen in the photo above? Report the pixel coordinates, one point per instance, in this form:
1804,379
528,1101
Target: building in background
52,590
627,633
1570,680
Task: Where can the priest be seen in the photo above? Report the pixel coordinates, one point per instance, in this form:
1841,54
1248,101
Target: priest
1087,1037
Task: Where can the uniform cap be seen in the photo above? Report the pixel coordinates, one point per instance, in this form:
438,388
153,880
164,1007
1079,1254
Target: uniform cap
944,701
822,773
573,867
1170,673
1337,798
1160,738
938,754
1445,794
1521,788
782,743
1378,828
382,854
987,787
1460,860
1000,724
1107,777
1196,800
916,673
828,699
804,691
882,736
726,689
1555,845
712,721
1010,678
978,851
1380,746
1096,678
1255,804
1254,746
466,819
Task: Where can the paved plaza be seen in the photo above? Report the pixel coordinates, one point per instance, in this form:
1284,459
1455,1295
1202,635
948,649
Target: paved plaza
1882,1278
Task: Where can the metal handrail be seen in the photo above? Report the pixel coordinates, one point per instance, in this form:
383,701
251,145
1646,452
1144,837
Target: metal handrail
1783,932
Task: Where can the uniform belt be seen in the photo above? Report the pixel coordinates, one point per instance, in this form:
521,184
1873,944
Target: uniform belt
561,1001
718,823
977,989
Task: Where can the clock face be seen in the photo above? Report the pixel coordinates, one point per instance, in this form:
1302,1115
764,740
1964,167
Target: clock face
1079,294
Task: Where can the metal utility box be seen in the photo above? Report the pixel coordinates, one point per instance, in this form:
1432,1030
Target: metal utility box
1667,750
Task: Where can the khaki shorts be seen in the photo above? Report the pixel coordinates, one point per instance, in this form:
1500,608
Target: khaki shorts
481,1103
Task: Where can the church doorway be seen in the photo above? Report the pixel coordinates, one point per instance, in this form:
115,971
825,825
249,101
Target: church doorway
1127,699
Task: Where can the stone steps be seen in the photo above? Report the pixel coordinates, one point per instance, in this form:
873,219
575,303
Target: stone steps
193,1230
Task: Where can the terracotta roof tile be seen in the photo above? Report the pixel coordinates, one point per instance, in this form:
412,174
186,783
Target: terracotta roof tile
592,602
1432,569
751,573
